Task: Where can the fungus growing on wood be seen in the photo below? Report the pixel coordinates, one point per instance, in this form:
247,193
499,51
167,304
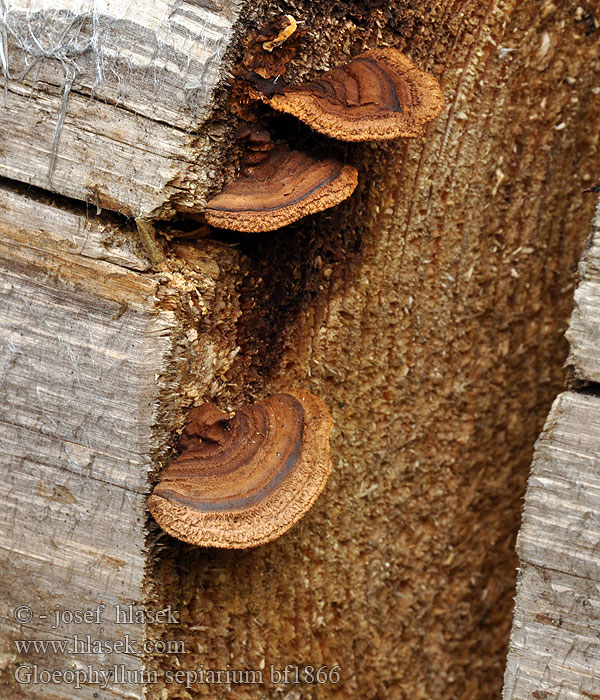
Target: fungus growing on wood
244,480
379,95
258,145
285,187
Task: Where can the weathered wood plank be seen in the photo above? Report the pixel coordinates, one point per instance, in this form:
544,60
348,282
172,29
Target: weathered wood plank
554,646
71,230
81,346
118,161
160,59
584,330
100,99
553,653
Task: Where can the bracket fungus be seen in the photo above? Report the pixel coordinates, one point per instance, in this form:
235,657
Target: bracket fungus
379,95
244,480
258,145
282,189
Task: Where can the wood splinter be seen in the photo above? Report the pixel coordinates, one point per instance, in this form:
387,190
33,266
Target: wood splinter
244,480
288,26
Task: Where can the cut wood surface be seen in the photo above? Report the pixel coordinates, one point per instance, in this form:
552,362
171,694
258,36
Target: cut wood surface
71,230
103,100
81,345
584,330
427,311
554,645
83,351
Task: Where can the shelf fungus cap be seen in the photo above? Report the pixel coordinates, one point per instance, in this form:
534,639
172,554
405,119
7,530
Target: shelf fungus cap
379,95
285,187
244,480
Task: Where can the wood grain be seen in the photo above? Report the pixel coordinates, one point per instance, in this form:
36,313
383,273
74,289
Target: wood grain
554,647
81,345
133,97
430,312
72,229
584,330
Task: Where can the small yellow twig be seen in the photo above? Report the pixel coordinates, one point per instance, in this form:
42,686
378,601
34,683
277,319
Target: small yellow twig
284,34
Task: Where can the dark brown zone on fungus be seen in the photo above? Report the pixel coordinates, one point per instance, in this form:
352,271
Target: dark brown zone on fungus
333,86
255,205
215,453
379,95
246,479
332,38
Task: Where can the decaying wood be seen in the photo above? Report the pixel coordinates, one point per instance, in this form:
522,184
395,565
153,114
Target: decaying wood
427,311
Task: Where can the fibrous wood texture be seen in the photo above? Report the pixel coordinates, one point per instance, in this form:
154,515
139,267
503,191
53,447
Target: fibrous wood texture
103,100
554,647
81,345
427,311
584,330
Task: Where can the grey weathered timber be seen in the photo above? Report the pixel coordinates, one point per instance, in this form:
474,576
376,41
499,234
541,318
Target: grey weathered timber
584,330
106,102
81,349
71,229
554,645
554,650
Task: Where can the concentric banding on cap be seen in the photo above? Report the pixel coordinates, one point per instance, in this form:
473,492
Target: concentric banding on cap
285,187
379,95
254,485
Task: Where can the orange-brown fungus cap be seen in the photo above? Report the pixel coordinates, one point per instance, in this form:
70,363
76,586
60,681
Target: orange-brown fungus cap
379,95
245,480
285,187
